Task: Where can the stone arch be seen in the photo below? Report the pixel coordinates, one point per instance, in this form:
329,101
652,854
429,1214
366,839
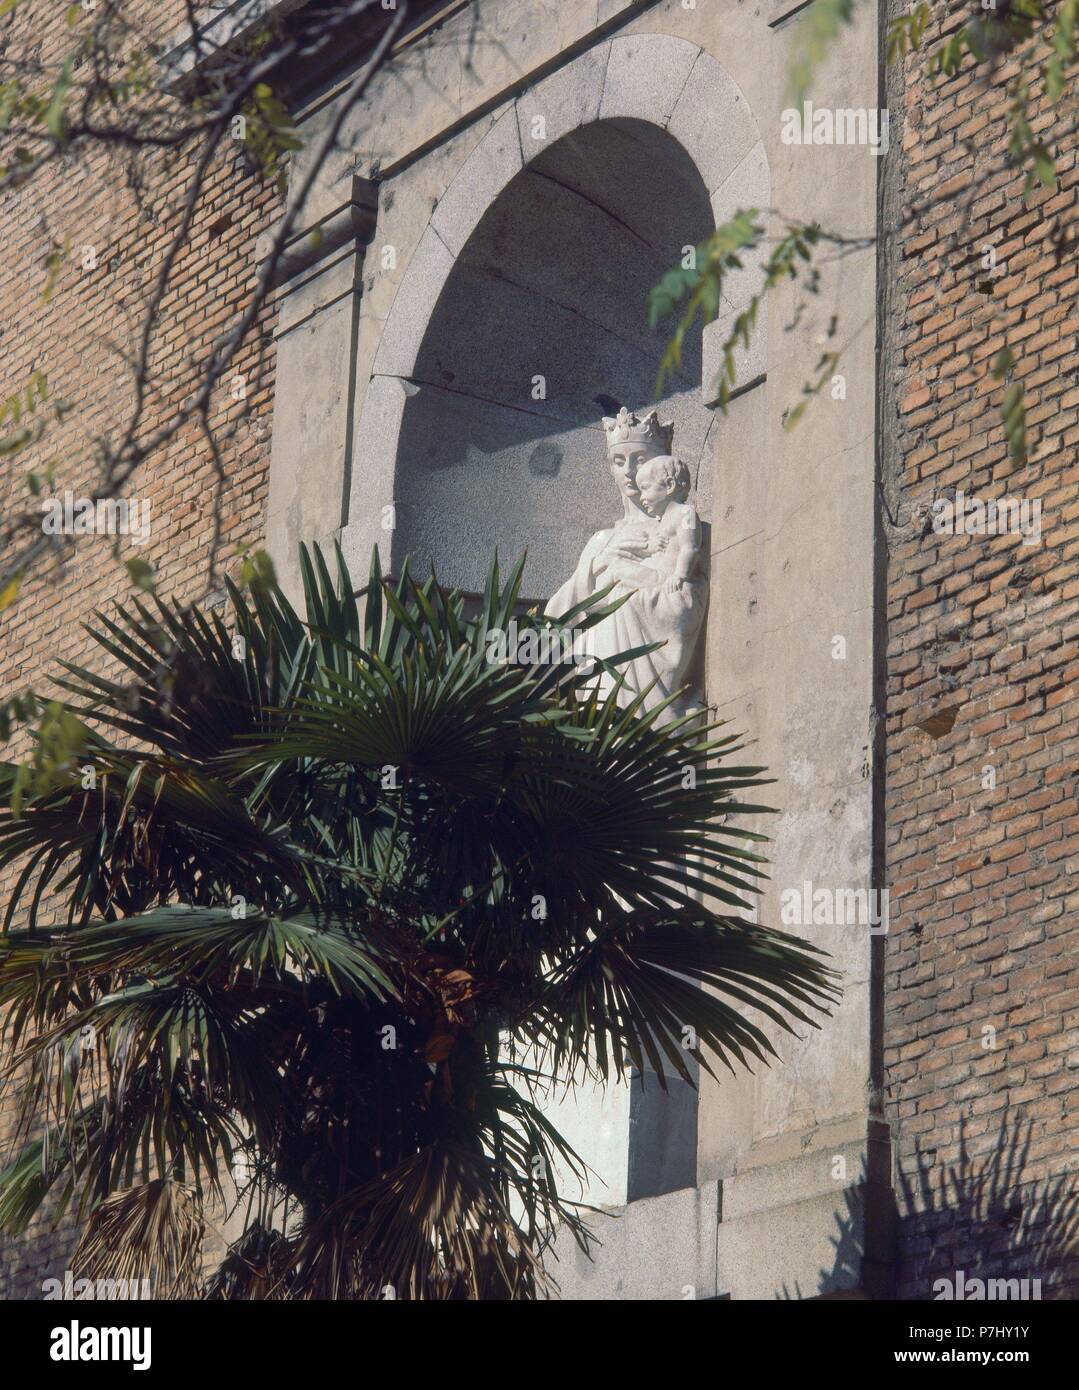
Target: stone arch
663,98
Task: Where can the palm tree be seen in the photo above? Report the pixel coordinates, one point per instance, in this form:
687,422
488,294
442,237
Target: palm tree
342,895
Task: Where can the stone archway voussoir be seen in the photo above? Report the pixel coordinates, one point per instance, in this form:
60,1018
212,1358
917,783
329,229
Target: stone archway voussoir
413,305
646,74
713,122
482,177
567,100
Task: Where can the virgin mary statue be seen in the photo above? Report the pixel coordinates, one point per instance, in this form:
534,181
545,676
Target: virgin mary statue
651,555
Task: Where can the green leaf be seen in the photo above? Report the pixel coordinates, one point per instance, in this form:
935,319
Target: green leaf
793,415
817,30
10,592
1044,165
257,571
1013,413
141,574
1002,363
54,116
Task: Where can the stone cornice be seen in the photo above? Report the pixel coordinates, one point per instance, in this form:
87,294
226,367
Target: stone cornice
354,220
221,24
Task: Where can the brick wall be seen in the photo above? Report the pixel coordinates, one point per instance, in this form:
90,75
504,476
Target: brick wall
983,923
71,339
981,1025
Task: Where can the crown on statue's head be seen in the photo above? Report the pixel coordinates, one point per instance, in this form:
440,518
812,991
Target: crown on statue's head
628,428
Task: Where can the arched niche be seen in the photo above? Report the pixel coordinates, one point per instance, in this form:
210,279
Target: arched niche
522,316
540,328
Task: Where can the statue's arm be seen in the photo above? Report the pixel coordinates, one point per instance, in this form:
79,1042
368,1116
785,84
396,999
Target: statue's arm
689,542
583,581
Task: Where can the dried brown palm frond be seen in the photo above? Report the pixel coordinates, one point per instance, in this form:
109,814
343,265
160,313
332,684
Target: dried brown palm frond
436,1227
147,1236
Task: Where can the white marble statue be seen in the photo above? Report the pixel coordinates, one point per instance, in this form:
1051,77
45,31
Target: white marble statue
653,554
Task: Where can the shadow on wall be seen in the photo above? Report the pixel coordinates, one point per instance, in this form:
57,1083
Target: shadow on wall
971,1230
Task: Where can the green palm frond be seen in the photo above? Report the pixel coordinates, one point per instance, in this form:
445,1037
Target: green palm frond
338,896
650,994
212,947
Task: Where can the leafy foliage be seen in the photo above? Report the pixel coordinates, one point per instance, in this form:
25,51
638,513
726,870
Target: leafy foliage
905,32
342,899
1018,30
269,133
1012,408
700,285
19,709
1012,29
817,31
27,402
1064,48
161,114
701,289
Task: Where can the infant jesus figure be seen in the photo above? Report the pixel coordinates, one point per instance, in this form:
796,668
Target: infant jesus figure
672,547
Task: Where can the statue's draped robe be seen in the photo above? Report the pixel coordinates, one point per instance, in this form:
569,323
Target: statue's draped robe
649,615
